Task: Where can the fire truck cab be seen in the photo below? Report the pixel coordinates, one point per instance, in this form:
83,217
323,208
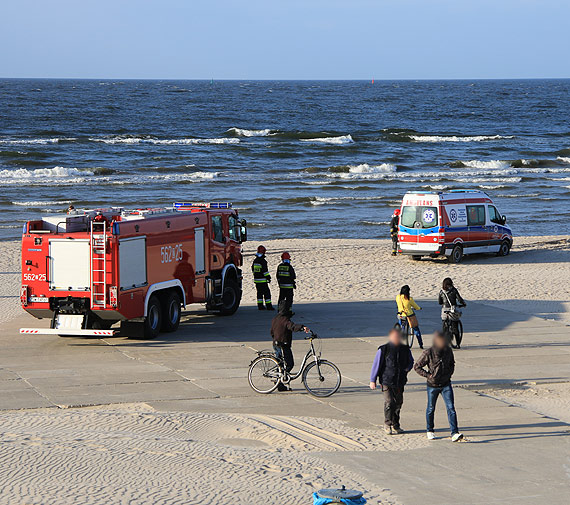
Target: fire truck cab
90,269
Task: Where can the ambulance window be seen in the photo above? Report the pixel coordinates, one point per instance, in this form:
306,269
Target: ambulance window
217,229
476,215
408,217
233,231
429,217
494,216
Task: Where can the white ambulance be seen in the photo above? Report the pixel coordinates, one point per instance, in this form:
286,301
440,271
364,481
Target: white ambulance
452,224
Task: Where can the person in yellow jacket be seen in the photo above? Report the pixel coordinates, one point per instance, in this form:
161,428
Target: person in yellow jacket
406,307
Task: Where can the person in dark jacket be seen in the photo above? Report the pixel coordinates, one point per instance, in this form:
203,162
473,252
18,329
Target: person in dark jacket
262,278
390,369
394,226
449,299
437,365
282,329
286,279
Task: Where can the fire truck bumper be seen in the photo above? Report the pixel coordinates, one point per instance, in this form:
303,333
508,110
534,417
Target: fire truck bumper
66,331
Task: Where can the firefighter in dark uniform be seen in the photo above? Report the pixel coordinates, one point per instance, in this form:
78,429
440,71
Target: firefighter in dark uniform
262,278
286,279
394,224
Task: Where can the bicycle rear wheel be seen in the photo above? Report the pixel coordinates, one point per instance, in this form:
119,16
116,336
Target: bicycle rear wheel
409,336
264,374
459,334
322,380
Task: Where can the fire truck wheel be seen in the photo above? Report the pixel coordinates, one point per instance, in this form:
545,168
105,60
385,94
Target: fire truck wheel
171,308
230,298
153,319
456,254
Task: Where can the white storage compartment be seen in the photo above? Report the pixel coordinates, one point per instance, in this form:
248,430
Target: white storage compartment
69,267
132,262
63,223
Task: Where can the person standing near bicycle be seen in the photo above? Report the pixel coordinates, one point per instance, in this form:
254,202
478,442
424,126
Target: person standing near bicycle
286,279
449,299
394,228
282,329
440,364
262,278
406,307
390,369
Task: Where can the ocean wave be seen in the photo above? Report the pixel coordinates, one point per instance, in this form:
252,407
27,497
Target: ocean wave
486,164
458,138
342,139
563,159
193,176
242,132
35,141
374,223
120,139
42,203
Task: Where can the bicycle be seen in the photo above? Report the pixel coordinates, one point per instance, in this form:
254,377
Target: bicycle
406,329
453,329
320,377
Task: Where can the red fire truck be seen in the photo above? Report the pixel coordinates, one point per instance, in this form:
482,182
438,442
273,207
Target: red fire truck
90,269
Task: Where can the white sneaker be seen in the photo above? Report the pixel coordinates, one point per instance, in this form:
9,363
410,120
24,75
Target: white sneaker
431,435
456,437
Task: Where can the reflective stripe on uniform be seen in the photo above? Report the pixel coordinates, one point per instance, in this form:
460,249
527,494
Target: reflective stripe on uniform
260,281
286,286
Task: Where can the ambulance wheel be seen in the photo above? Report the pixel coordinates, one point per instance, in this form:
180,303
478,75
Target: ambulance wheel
456,254
230,298
171,308
153,319
505,248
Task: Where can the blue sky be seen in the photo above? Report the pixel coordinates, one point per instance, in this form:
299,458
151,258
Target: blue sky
285,39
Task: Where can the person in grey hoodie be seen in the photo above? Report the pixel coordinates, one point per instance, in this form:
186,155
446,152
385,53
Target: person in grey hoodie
437,365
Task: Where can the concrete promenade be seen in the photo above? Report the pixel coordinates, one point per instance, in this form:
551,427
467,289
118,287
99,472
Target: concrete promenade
512,455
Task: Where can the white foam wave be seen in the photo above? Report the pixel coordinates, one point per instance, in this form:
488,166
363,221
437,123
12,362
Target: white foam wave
343,139
366,171
185,141
54,176
54,140
375,223
487,164
193,176
563,159
242,132
42,203
456,138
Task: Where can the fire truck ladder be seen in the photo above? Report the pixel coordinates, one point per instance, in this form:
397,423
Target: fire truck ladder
98,264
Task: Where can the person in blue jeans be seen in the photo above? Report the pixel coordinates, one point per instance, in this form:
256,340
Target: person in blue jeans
437,365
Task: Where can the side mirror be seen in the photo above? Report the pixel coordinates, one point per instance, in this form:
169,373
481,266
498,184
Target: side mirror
243,230
504,219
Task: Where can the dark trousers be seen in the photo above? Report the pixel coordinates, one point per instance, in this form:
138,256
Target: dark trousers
447,393
393,400
263,292
286,296
284,352
394,243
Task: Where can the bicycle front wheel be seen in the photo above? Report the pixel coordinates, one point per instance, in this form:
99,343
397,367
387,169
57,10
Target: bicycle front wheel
321,380
264,374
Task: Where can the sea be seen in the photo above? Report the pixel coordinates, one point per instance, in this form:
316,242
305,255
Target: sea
302,159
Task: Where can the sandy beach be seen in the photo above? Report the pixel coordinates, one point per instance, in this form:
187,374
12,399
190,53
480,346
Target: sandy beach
173,420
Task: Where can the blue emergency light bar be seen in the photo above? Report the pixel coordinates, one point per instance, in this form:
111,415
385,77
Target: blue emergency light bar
204,205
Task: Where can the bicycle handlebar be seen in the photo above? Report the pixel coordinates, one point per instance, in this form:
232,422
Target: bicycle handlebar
312,336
